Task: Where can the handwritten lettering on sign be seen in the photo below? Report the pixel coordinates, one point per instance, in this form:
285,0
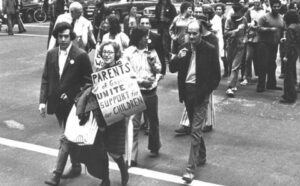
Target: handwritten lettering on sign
118,94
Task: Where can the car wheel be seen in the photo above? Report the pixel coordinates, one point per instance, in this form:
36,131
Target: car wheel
40,16
29,16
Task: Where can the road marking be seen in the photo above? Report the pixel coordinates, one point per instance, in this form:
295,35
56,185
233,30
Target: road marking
37,26
29,35
13,124
133,170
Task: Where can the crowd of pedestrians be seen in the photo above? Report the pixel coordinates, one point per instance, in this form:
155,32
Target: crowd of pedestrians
199,43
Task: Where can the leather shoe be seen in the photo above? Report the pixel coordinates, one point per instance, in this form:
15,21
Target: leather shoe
259,89
183,130
188,176
153,153
274,88
284,101
74,171
54,180
132,163
105,182
207,128
22,31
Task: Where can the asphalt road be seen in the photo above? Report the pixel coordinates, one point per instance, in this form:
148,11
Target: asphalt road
255,140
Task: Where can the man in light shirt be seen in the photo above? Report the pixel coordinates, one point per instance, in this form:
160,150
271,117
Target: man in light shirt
198,70
67,69
81,26
147,67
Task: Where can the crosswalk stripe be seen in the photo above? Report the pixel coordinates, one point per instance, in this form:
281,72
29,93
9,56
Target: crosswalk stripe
133,170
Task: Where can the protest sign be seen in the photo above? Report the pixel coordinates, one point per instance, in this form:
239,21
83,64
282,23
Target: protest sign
117,93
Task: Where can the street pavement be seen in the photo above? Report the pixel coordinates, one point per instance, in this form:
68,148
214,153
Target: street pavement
255,140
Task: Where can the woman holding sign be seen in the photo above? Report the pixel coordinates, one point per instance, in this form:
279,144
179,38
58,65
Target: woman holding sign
113,135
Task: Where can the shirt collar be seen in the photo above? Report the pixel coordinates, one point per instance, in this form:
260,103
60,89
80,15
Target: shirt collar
145,50
66,52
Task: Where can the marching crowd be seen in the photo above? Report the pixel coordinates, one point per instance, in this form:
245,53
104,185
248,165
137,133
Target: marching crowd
192,44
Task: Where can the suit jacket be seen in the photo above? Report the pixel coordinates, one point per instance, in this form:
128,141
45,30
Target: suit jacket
10,6
207,70
156,44
76,74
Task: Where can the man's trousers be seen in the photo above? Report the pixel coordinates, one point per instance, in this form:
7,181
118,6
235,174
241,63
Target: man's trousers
197,113
267,65
151,111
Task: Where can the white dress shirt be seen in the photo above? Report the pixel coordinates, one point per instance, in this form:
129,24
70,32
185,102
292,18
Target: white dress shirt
62,58
141,66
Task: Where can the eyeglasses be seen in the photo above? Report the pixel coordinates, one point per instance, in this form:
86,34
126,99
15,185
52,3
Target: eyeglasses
107,52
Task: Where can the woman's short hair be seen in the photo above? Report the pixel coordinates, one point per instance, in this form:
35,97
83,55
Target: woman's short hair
60,27
114,45
184,6
291,17
114,25
136,35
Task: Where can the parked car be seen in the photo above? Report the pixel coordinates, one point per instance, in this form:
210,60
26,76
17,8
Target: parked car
28,9
150,12
122,7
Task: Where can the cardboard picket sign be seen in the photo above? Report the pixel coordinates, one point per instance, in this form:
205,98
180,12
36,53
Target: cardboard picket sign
81,135
117,93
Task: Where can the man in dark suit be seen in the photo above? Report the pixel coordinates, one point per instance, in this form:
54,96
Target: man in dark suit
66,70
12,8
198,70
154,41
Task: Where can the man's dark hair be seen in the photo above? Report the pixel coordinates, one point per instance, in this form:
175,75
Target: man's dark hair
169,2
145,17
136,35
114,25
291,17
184,6
60,27
275,2
223,6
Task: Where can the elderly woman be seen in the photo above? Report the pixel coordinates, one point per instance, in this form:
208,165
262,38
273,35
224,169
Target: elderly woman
112,137
115,33
178,27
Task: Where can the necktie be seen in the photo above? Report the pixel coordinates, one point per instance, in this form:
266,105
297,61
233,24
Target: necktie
73,24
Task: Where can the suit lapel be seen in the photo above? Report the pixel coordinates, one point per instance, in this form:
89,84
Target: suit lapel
56,60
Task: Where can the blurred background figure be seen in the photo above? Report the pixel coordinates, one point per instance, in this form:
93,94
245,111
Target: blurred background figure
165,12
115,34
291,56
131,21
100,14
11,8
81,26
178,27
54,9
218,29
252,15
